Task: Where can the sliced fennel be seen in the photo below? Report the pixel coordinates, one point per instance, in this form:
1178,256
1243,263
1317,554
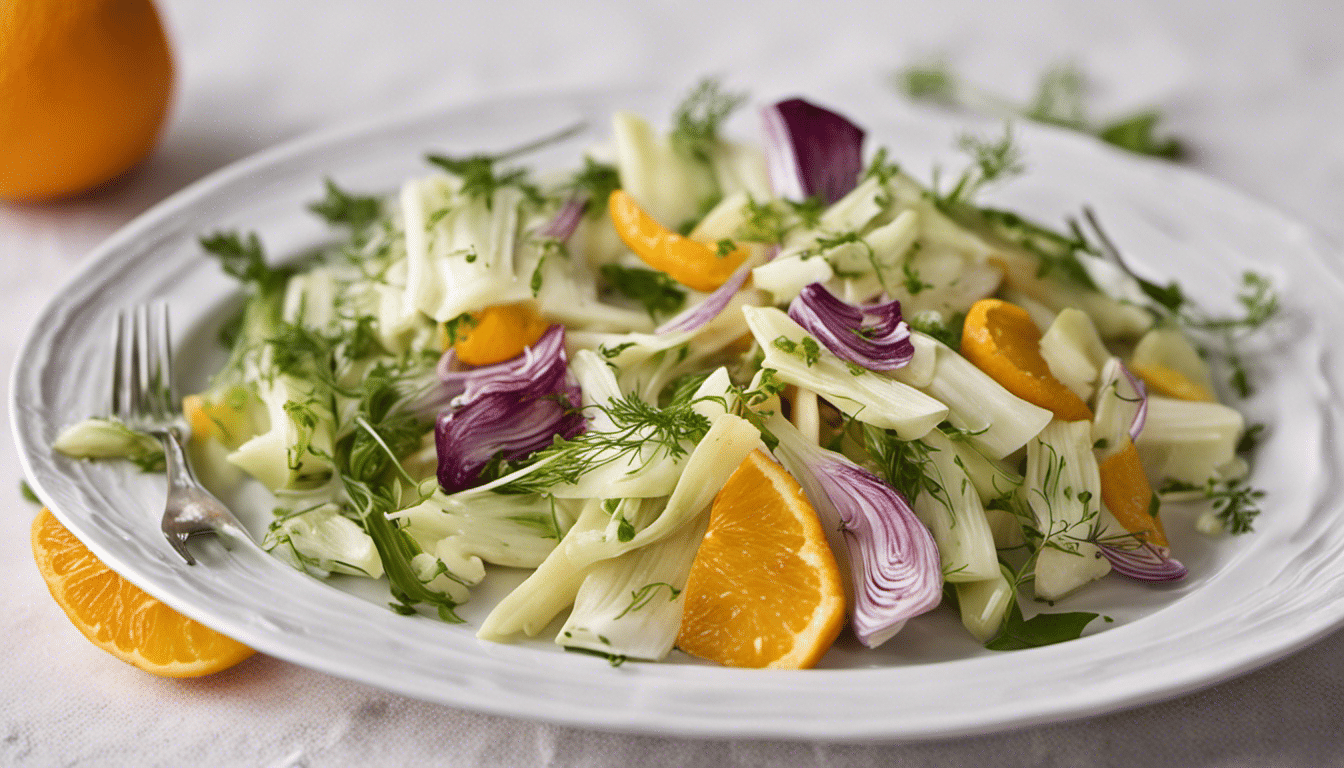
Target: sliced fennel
322,541
1064,490
868,397
995,420
1188,441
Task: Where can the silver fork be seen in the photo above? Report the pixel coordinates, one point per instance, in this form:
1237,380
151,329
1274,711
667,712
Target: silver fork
144,399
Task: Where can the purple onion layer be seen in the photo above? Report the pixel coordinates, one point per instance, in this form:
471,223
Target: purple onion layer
510,409
893,559
872,336
1147,562
811,151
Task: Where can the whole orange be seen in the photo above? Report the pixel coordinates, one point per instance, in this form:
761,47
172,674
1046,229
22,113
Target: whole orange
84,90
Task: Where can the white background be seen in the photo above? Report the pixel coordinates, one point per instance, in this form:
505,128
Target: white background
1256,89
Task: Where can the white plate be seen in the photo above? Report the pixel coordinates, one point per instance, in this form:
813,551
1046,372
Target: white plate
1248,600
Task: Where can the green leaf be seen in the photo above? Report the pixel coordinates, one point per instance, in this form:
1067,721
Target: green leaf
395,548
947,331
244,258
598,180
697,119
1060,99
479,177
1135,133
340,208
933,81
27,492
1041,629
659,294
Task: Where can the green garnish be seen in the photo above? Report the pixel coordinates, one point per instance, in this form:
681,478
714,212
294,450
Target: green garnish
1236,504
342,208
659,294
1060,99
1041,629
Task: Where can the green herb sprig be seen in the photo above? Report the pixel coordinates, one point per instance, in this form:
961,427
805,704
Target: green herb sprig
1060,99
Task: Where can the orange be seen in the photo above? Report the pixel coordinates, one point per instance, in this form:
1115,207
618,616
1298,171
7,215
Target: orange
693,264
1129,497
1171,383
499,333
118,617
84,90
1002,340
764,590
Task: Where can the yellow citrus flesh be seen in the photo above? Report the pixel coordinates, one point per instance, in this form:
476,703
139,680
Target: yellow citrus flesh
1002,340
119,617
764,590
689,262
1128,495
499,333
84,90
1170,382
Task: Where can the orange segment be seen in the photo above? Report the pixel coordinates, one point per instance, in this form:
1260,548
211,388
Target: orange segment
764,590
226,420
500,333
1004,342
1171,383
1129,497
118,617
691,263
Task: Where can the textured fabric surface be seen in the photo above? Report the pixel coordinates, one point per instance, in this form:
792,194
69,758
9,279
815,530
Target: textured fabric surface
1256,88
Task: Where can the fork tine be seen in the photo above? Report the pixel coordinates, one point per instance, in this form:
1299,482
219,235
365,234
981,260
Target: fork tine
137,380
167,387
118,363
179,542
156,378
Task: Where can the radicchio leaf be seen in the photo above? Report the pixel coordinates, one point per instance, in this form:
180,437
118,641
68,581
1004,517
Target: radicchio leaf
1140,412
893,559
1146,562
710,308
510,409
566,220
872,336
811,151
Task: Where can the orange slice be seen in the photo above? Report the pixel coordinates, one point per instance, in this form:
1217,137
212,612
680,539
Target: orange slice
764,590
224,420
689,262
1171,383
1129,497
118,617
1002,340
500,333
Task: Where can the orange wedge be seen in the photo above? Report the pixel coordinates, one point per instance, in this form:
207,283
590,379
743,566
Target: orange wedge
118,617
689,262
500,333
1170,382
764,590
1129,497
1002,340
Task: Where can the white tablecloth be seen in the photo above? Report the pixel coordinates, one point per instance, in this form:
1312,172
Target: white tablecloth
1257,89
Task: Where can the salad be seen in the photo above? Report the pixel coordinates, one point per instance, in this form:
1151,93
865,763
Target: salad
560,371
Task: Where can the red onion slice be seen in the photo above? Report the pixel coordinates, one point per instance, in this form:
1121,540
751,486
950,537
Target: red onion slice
1141,412
695,317
893,559
509,409
811,151
872,336
892,555
566,220
1147,562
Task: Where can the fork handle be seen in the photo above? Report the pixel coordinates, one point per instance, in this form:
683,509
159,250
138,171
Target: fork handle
175,461
190,507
